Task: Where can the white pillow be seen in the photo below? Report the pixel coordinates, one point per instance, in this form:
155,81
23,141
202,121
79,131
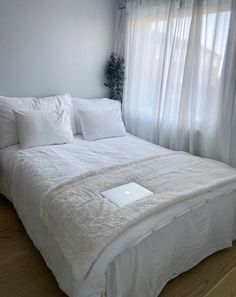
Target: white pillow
59,102
101,124
8,133
102,104
43,128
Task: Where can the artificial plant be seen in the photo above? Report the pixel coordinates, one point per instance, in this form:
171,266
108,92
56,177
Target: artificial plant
115,76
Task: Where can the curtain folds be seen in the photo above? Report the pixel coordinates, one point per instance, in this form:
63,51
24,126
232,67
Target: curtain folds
120,28
181,74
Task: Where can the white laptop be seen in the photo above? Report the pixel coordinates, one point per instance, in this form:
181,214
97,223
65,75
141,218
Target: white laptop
126,194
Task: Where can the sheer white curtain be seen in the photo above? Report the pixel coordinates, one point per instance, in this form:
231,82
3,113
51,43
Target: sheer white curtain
181,75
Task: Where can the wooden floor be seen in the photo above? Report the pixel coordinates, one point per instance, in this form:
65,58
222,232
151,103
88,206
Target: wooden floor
23,272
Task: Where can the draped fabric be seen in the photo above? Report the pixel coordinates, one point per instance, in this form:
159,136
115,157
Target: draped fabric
181,74
120,28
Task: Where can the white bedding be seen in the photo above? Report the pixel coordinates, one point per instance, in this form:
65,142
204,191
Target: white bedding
46,166
26,175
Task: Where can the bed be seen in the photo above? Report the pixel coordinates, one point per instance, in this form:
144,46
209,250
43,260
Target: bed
97,249
139,265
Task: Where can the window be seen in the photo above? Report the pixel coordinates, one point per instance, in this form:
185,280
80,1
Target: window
175,53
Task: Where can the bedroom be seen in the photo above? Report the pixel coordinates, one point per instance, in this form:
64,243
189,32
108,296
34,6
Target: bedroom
167,133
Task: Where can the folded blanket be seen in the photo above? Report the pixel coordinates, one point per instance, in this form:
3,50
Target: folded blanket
84,223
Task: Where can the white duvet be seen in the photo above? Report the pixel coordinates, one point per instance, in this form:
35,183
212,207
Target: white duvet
27,175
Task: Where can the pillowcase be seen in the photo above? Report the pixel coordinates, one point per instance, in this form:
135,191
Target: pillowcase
43,128
102,104
101,124
59,102
8,133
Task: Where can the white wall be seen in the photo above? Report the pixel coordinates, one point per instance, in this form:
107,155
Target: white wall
55,46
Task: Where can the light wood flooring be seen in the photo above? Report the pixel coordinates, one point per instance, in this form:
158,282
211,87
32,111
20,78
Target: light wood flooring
23,272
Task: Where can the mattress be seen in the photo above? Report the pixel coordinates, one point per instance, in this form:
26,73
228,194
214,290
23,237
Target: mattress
27,175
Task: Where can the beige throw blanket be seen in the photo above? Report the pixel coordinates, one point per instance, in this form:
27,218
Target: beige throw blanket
84,223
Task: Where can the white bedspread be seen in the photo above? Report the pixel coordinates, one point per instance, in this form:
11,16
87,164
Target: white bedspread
27,175
76,206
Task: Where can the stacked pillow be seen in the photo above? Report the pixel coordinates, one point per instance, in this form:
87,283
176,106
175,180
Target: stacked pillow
58,103
8,132
54,120
98,118
39,127
11,126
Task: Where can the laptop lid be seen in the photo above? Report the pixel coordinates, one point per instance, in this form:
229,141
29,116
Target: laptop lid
126,194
